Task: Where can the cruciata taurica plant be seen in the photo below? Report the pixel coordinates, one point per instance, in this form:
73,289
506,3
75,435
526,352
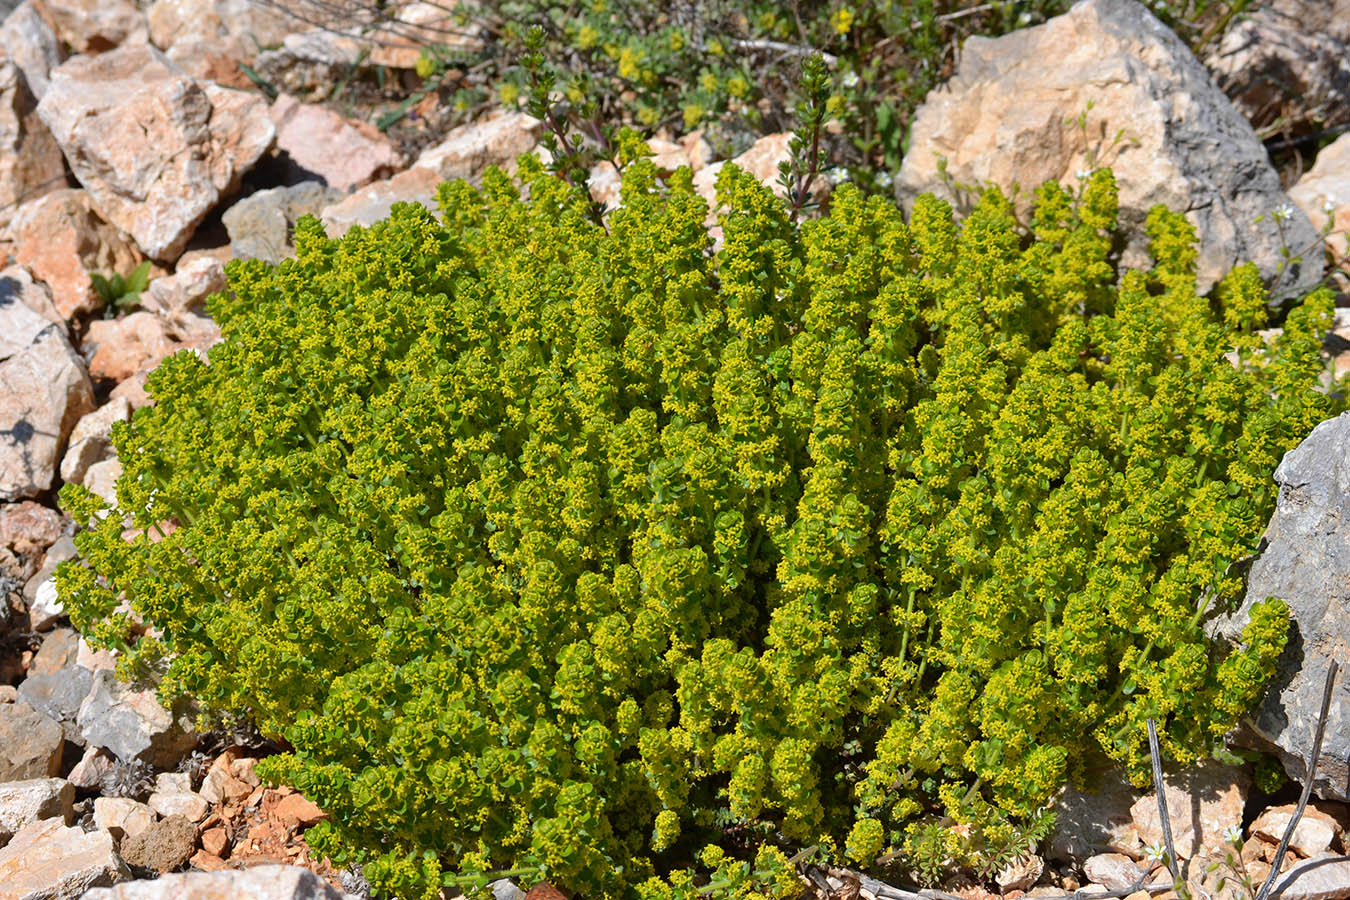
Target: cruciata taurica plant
597,556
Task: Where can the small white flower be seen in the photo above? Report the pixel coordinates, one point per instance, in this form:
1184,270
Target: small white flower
1083,174
851,80
1233,834
837,175
1329,206
1155,852
1284,213
885,179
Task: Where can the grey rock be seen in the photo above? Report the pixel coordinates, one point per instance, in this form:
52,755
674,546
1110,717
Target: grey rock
59,649
1113,870
58,695
1320,878
30,160
48,861
162,846
30,743
260,225
121,816
132,724
259,883
506,889
91,441
1007,117
1306,563
1088,822
24,802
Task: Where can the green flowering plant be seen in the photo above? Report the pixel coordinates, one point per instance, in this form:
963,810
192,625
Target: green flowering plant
597,553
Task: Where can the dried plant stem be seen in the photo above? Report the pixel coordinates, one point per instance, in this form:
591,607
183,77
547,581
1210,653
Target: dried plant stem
1164,819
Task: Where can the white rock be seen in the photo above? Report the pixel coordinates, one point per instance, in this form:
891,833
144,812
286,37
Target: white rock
90,441
258,883
189,805
24,802
46,608
48,860
32,44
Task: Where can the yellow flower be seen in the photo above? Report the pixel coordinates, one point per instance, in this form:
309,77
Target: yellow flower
648,115
693,114
737,86
628,64
426,65
843,20
715,48
509,93
587,37
676,40
708,82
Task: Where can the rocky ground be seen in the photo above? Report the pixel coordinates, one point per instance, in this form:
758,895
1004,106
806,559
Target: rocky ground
133,133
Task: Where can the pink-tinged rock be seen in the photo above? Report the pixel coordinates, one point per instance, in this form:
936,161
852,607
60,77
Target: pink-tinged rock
17,285
24,802
1315,833
257,883
29,528
1203,801
93,660
30,160
1114,870
189,805
421,24
62,240
43,392
373,202
155,148
121,816
1320,878
469,150
1020,874
123,347
91,441
94,26
1324,193
208,38
90,771
48,861
345,153
29,41
295,809
196,277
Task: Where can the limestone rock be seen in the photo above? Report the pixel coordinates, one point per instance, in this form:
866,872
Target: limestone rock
59,649
308,63
1287,59
260,225
30,160
185,291
373,202
155,148
1315,833
1306,563
94,26
90,441
58,696
17,286
344,153
30,744
258,883
122,817
1203,801
122,347
1324,193
180,804
1321,878
30,42
162,846
1006,118
421,24
1021,873
467,151
45,609
132,724
48,861
1113,870
208,38
92,768
62,240
24,802
43,392
29,528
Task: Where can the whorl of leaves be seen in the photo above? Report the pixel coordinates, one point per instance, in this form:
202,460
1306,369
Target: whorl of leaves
572,552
